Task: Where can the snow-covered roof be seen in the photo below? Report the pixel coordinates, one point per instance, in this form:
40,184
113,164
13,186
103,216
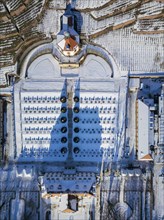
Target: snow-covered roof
68,44
143,129
147,157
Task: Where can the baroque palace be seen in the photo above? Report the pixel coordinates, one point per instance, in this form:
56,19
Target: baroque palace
81,110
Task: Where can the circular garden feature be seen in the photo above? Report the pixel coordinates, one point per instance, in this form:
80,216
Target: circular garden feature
76,150
76,119
76,110
63,99
76,139
76,99
63,119
63,139
63,129
63,109
76,130
63,150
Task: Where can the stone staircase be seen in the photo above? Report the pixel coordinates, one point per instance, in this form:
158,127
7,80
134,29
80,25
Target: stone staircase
70,123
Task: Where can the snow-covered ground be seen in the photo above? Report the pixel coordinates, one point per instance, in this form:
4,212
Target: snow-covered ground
39,116
56,147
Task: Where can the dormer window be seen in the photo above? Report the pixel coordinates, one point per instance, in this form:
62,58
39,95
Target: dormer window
68,46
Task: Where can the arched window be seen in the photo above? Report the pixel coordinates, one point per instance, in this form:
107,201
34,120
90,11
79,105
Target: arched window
48,215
